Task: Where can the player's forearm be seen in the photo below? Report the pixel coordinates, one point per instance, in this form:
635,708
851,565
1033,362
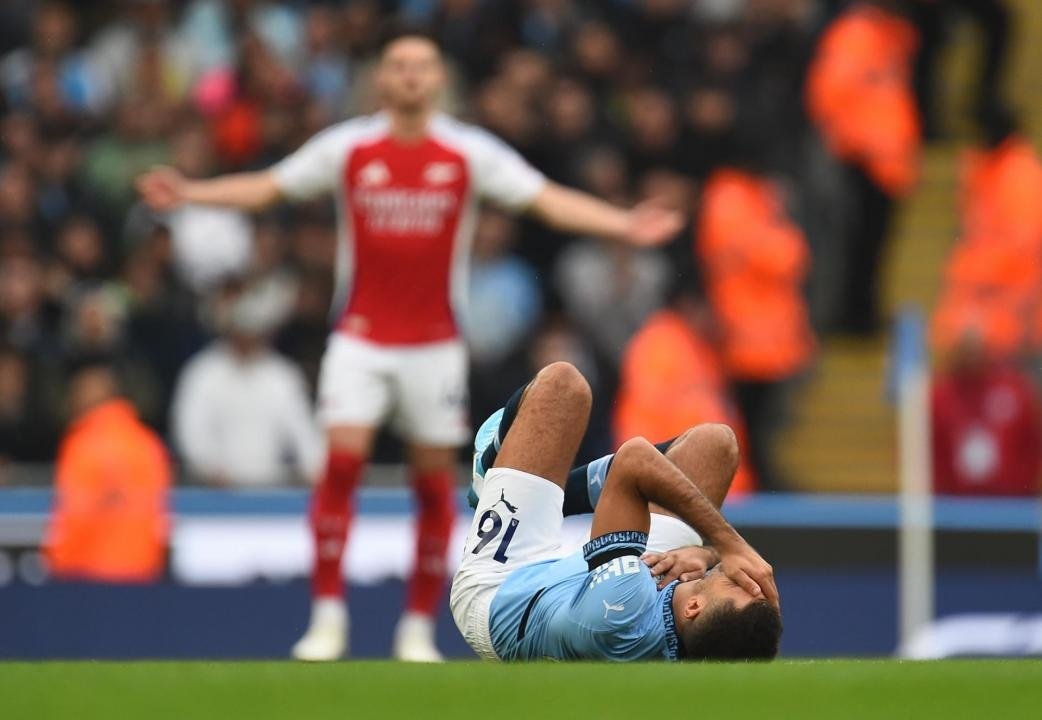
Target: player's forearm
572,211
658,481
248,191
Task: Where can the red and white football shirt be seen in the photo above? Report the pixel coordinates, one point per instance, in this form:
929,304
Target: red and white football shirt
406,215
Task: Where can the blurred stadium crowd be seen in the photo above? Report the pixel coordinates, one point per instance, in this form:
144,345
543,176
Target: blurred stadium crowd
787,130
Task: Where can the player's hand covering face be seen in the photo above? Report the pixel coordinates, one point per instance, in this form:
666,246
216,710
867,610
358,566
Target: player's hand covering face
746,569
683,564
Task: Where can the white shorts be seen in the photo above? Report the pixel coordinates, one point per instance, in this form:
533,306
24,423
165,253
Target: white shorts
421,389
518,523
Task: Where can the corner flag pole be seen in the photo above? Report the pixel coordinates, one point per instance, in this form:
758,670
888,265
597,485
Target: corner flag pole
915,499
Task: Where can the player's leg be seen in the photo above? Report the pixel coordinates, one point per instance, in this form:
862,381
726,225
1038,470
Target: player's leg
551,421
431,414
517,520
353,400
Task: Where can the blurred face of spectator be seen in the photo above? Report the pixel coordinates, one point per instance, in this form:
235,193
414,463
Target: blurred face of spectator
90,387
14,382
142,118
411,75
653,120
526,72
61,160
192,152
710,111
21,286
143,274
725,53
969,356
149,17
269,247
361,26
604,173
19,138
17,196
80,246
597,50
494,236
571,110
505,112
97,324
320,31
54,29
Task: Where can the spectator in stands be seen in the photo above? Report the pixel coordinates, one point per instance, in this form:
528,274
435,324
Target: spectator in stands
987,421
672,379
755,261
241,413
933,19
25,430
859,96
993,281
109,522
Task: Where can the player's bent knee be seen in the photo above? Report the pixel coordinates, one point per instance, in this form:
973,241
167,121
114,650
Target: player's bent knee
719,439
563,380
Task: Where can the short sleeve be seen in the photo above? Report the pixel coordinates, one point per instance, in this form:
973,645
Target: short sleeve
312,170
501,175
615,602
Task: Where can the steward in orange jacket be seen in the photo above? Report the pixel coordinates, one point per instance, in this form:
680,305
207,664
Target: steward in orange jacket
109,522
859,95
755,260
671,380
993,281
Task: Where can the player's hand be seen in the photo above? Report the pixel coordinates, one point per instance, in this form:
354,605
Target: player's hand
651,224
683,564
162,188
746,569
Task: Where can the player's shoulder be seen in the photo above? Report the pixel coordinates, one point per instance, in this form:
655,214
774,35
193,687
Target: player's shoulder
353,130
463,135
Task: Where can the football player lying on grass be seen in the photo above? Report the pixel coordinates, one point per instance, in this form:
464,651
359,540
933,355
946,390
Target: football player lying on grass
520,595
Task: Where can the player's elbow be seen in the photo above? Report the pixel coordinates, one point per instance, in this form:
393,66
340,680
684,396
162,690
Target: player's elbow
633,456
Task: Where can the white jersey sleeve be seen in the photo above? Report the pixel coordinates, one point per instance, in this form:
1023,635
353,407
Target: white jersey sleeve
314,169
500,174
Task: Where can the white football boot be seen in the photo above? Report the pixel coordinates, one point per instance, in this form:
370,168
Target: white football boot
326,636
414,639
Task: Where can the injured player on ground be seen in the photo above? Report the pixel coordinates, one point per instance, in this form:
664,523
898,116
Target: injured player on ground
663,577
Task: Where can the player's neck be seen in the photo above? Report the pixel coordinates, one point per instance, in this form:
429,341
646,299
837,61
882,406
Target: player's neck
410,127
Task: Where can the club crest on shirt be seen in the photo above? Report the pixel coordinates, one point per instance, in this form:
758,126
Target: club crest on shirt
441,173
374,173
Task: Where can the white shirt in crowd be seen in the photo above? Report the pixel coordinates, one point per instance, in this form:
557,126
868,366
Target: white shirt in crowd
247,421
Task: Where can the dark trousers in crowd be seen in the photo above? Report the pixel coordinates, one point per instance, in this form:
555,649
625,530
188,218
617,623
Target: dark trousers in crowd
762,405
871,210
992,18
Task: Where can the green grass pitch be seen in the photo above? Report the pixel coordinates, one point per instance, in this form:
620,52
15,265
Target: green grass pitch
837,690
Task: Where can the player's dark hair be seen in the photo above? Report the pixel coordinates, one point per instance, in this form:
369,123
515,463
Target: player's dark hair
727,633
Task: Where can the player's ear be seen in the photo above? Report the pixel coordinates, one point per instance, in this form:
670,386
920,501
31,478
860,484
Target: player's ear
694,606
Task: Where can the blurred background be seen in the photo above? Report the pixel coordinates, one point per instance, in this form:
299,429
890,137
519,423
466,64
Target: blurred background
846,168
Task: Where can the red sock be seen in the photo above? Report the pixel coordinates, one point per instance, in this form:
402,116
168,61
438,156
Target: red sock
436,499
332,507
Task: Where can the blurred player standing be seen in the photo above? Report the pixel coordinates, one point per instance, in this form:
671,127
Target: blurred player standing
407,182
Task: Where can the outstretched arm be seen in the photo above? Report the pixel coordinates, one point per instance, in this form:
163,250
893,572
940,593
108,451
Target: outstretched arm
574,211
164,188
640,475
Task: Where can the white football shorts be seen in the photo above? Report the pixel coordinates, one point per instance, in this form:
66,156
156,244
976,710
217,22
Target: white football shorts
420,389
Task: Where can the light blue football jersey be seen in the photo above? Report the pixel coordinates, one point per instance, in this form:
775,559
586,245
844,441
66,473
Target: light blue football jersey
563,610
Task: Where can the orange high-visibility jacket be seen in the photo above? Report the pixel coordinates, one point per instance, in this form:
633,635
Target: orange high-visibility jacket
109,522
755,260
860,97
670,381
993,280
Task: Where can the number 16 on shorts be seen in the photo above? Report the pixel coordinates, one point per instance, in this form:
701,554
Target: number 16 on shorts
489,527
